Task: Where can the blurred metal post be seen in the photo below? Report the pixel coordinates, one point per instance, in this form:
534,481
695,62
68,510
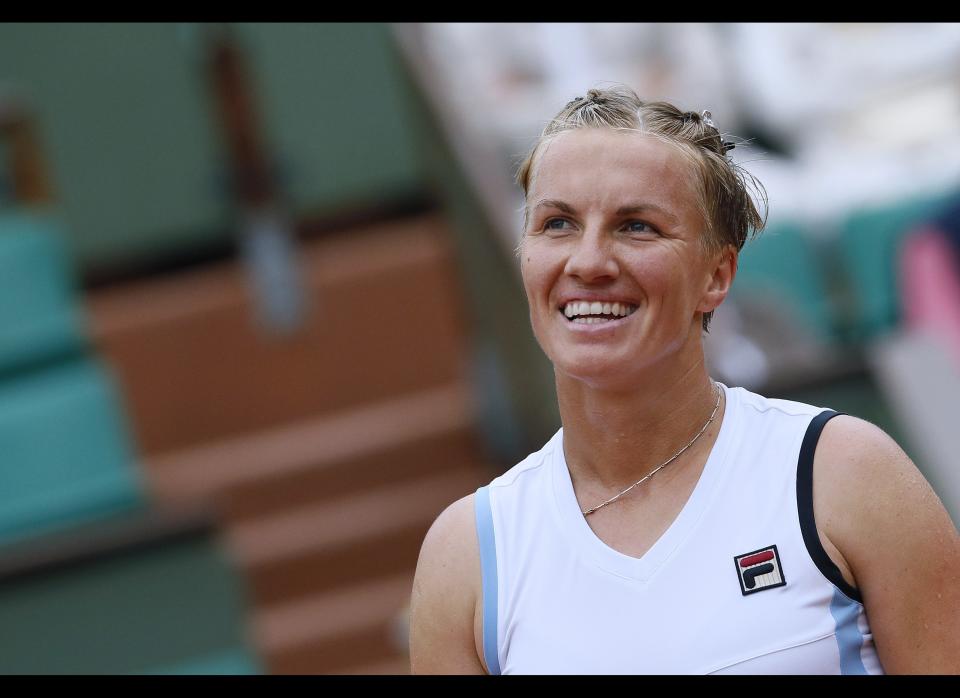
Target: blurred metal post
28,171
267,241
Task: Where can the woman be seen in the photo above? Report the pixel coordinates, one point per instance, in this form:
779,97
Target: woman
674,525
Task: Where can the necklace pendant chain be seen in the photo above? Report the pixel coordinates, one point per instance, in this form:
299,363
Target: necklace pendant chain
666,462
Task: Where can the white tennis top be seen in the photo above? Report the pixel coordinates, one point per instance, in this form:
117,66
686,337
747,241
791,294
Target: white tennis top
739,583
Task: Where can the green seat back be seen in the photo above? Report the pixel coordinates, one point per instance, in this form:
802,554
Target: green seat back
40,319
176,606
870,241
781,266
65,455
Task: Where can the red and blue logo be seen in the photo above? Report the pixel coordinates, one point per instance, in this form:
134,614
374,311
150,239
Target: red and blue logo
759,570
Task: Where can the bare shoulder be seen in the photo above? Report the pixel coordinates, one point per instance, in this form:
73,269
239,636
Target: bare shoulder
444,607
892,538
866,486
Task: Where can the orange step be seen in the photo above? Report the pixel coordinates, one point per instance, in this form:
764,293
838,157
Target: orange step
384,319
327,455
344,540
398,665
370,443
331,632
416,458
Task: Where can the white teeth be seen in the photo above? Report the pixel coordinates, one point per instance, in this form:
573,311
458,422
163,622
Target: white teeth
579,311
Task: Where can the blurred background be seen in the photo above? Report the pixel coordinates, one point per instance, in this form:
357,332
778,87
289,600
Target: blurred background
261,320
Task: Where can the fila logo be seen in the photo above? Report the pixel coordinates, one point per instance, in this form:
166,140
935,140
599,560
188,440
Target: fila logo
759,570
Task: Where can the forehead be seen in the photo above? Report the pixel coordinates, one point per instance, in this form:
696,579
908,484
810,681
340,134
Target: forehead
598,167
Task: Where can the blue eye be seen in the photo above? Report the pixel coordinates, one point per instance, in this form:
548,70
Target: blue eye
640,227
555,224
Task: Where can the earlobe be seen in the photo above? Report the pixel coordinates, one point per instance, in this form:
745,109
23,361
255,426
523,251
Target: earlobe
721,279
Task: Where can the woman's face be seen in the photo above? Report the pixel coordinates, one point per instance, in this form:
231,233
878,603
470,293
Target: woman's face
612,259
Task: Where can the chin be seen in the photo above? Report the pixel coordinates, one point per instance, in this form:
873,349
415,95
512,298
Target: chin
596,372
604,367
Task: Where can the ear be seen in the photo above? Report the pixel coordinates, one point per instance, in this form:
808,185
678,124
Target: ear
720,277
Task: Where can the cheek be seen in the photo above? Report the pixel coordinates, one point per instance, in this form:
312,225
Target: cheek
537,268
664,283
656,274
531,283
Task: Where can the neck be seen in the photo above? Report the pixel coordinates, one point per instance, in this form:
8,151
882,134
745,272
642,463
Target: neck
613,437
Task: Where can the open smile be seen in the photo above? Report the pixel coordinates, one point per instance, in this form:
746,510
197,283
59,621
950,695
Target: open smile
597,312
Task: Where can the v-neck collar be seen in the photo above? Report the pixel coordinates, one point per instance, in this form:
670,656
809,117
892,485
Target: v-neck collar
581,536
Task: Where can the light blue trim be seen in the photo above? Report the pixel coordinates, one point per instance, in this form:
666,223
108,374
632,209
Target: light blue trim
849,638
488,574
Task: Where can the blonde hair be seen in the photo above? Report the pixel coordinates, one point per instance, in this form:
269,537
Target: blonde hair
724,188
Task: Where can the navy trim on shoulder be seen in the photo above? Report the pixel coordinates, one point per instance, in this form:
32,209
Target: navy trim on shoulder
808,526
488,574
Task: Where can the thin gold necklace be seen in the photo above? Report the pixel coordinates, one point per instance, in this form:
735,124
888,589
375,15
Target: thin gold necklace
666,462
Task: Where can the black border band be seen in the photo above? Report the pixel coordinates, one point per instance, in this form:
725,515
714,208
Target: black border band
808,526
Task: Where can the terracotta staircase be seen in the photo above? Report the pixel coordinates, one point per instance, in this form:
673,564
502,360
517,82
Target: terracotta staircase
327,454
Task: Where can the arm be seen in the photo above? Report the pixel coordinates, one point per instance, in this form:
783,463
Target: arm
445,605
888,532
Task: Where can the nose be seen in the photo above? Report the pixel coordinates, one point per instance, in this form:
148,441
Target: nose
592,259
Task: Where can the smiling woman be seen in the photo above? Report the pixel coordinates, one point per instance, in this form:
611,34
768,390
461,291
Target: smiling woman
778,538
631,233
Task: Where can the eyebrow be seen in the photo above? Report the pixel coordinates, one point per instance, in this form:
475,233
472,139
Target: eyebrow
555,203
642,208
622,211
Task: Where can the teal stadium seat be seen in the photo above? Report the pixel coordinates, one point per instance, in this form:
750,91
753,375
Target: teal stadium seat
870,242
781,267
65,454
39,316
67,460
